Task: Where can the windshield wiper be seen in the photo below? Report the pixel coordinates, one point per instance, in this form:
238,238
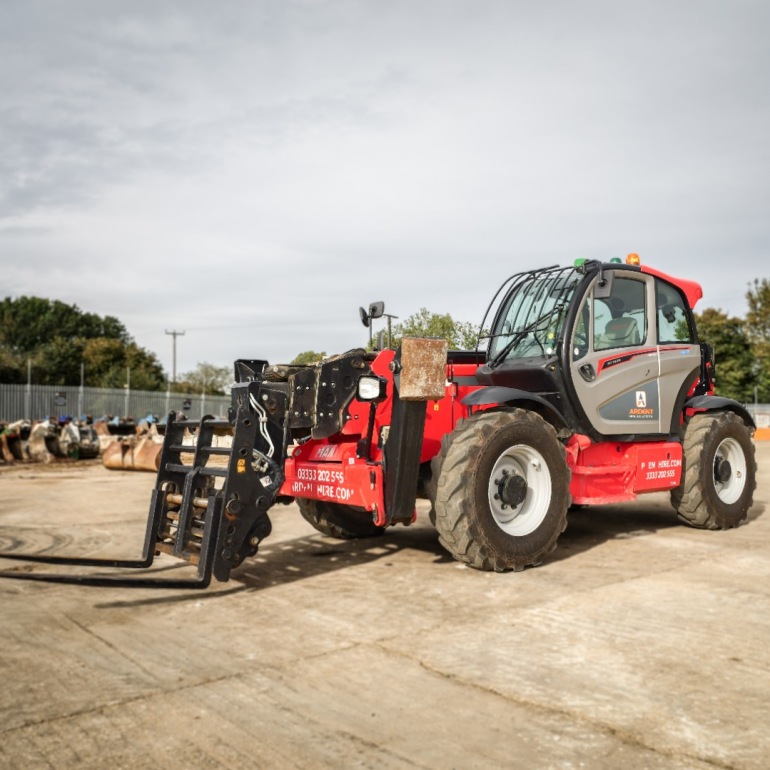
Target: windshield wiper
522,333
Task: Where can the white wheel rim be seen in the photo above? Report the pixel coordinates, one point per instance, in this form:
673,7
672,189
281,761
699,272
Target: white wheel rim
526,517
729,491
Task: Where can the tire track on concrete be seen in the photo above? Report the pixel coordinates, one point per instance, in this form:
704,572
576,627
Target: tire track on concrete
625,737
220,701
118,703
111,646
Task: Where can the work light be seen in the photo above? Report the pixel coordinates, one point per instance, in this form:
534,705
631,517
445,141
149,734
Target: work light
371,388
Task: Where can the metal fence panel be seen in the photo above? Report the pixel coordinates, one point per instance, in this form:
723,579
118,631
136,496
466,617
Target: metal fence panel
760,413
35,402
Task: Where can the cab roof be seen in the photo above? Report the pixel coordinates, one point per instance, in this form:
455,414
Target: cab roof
690,289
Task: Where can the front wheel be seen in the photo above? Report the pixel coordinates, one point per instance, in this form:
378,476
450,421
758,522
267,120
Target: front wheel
718,473
337,520
500,490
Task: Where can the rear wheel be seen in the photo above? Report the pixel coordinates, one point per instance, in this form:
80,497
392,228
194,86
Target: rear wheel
718,473
337,520
500,490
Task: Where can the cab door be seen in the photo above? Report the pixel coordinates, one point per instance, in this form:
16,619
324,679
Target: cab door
679,355
614,362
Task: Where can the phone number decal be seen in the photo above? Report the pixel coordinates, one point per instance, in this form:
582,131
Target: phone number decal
322,483
668,474
320,474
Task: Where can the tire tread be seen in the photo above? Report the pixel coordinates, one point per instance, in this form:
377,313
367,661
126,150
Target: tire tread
688,499
337,520
450,480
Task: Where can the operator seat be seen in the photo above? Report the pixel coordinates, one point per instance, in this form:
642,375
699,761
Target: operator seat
618,333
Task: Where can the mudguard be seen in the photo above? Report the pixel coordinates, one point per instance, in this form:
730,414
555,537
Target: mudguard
699,404
499,394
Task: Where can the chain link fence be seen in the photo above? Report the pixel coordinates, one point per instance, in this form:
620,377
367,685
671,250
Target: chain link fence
34,402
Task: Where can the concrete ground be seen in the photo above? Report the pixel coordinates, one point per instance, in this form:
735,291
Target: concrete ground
639,644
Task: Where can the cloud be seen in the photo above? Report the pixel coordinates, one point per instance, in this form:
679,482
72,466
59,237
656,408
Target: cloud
254,172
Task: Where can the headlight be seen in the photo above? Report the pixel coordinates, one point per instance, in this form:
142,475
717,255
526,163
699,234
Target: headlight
371,388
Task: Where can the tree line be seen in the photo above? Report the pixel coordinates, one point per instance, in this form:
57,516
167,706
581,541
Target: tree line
741,346
54,343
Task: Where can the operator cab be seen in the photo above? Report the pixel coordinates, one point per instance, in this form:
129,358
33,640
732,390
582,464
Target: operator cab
610,347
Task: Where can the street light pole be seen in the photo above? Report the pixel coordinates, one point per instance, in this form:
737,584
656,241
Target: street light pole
390,318
28,394
174,334
128,392
81,391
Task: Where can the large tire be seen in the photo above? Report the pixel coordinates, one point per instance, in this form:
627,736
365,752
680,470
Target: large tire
500,490
337,520
718,472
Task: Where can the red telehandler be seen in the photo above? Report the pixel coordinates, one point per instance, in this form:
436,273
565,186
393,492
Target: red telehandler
592,388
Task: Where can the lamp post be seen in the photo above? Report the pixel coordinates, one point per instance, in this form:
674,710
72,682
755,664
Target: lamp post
174,333
128,390
390,318
81,391
28,394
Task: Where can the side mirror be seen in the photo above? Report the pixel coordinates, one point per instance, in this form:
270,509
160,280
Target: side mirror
364,317
376,309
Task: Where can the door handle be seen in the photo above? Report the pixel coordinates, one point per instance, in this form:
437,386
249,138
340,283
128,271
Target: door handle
587,372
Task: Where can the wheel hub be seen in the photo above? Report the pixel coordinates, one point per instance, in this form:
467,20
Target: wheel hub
730,471
519,490
512,489
722,470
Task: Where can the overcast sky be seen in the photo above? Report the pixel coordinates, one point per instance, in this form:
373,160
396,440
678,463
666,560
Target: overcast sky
252,172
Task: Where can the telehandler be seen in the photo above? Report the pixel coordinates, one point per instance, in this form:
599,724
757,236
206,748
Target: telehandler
591,387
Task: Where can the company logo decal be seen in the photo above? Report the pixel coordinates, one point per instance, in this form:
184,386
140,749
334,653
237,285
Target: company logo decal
641,403
324,452
641,411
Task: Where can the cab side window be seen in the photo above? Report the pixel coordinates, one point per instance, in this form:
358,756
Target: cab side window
620,320
673,319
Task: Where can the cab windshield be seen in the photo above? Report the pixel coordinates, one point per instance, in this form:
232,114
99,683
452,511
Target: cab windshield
530,319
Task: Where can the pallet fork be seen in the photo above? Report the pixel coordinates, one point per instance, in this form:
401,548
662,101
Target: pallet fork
210,502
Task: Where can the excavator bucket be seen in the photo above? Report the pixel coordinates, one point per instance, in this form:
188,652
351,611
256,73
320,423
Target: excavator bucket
6,452
210,500
134,453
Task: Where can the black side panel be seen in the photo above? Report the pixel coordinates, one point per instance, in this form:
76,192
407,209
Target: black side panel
402,459
706,370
